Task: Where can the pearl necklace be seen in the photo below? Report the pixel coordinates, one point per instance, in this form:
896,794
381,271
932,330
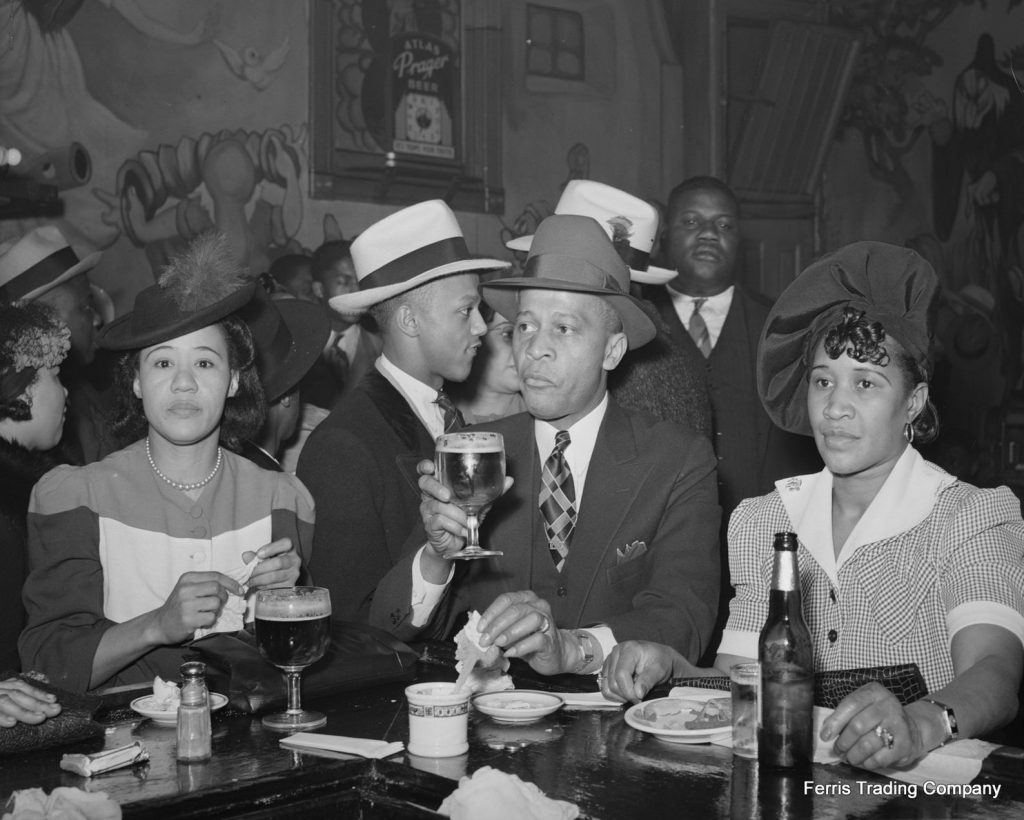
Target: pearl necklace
178,485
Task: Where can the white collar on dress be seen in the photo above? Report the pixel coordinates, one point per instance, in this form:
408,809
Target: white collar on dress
904,501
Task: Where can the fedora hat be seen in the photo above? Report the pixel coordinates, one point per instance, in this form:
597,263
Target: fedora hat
630,222
199,287
407,249
38,262
289,334
574,253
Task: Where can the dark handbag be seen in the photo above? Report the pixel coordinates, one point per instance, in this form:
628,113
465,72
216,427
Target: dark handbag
904,681
358,656
75,722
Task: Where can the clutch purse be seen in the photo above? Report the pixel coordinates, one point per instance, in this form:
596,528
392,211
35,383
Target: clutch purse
358,656
75,722
904,681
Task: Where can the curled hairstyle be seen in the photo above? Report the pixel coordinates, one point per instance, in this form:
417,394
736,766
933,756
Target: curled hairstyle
243,413
863,341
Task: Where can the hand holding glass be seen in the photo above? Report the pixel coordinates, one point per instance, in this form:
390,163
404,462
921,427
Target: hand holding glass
472,466
293,628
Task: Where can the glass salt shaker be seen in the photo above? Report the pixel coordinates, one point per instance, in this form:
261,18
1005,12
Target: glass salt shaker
194,732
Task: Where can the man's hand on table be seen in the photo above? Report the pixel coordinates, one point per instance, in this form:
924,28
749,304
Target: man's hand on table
20,702
634,667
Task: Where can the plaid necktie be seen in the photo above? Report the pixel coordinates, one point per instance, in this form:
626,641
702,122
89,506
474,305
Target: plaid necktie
558,500
453,421
699,330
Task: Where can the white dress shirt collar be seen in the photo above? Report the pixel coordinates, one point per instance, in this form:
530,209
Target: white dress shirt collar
422,398
582,438
904,501
714,310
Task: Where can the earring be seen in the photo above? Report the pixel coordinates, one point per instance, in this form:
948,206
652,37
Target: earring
908,432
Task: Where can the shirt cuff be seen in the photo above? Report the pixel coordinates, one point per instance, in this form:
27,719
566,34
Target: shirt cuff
425,594
990,613
604,637
735,642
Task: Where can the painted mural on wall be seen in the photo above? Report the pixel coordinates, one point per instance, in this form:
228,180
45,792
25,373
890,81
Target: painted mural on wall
185,115
965,203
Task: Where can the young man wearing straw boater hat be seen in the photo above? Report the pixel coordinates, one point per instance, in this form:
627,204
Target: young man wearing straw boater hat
610,528
666,379
418,282
41,266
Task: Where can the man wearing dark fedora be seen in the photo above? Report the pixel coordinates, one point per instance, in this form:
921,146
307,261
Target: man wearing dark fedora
610,527
41,266
290,334
418,282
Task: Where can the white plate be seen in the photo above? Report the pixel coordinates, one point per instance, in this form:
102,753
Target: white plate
517,705
147,707
680,735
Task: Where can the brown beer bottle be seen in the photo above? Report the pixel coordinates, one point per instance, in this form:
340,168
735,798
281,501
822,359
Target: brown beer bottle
785,737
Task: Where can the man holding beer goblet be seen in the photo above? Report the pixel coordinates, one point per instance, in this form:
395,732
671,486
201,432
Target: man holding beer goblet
610,528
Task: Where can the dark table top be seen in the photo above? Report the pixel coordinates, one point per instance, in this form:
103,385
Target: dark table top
592,758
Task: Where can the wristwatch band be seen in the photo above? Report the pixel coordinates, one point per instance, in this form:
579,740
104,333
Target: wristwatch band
952,730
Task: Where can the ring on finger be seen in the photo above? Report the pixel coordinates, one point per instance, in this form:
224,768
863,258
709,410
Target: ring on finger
883,734
545,624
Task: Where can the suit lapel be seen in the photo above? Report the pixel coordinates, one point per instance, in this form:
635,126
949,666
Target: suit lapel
395,410
519,507
613,477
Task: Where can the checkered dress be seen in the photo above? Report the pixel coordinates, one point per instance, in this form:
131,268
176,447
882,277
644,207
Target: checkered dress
897,600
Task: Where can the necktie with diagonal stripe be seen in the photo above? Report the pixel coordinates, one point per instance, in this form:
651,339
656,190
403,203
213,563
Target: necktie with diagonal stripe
699,329
558,500
453,421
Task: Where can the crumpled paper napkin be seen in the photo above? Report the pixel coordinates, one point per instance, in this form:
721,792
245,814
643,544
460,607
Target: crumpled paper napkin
362,747
499,796
232,614
63,803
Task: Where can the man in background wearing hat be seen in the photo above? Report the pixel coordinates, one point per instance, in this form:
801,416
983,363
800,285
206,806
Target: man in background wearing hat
611,526
42,267
419,284
290,334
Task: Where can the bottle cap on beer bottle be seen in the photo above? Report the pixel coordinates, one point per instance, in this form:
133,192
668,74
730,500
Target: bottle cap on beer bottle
786,541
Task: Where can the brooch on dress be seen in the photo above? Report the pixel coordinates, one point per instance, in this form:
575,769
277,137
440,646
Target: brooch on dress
793,484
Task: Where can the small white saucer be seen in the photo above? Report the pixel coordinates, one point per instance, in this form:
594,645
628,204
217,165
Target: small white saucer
147,707
517,705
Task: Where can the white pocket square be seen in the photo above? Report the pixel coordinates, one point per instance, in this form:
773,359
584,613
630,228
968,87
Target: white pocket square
630,551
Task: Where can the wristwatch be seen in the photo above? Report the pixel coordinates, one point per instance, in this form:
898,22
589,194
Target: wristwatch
949,717
586,650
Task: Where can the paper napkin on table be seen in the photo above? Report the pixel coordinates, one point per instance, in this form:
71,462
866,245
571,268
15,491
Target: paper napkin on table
62,802
958,762
499,796
360,746
588,700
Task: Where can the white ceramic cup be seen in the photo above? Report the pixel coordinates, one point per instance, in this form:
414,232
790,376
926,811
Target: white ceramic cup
438,719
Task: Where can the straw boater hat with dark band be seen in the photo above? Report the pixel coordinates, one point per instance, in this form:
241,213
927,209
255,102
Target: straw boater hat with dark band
198,288
289,335
407,249
574,253
37,263
630,222
891,285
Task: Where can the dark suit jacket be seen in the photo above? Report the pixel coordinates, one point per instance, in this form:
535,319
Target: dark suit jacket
752,452
359,464
649,481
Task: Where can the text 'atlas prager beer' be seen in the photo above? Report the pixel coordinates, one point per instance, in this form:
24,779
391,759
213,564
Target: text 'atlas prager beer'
293,636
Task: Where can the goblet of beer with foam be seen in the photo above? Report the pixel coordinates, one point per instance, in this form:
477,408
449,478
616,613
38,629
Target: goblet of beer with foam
293,629
472,466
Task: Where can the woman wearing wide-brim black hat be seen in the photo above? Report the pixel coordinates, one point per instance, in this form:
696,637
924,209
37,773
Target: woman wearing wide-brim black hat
900,562
162,541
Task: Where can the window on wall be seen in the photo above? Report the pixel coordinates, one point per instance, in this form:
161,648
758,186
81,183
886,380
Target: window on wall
406,103
554,43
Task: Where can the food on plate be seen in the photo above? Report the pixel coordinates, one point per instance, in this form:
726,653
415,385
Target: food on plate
166,695
669,713
715,714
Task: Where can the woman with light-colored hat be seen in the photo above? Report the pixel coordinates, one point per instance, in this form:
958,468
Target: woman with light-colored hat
161,542
900,562
630,222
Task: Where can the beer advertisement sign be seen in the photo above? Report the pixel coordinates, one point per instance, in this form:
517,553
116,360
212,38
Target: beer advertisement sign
425,91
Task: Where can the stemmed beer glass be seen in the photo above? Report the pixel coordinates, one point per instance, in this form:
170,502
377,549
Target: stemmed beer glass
472,466
293,629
